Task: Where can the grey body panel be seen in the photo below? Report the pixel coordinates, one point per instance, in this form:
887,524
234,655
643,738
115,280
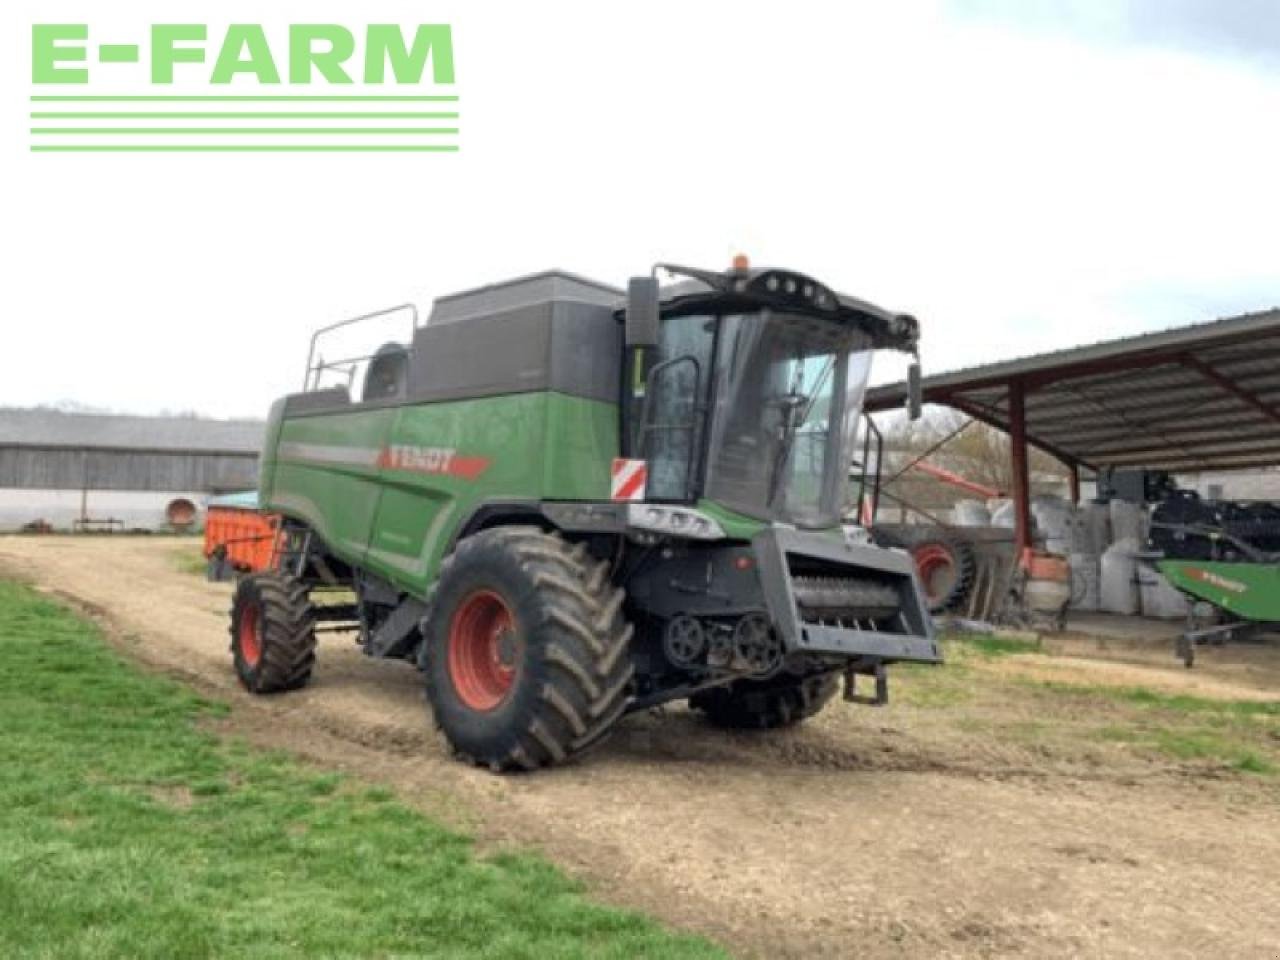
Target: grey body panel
333,398
568,346
698,579
398,632
526,291
586,517
777,548
564,346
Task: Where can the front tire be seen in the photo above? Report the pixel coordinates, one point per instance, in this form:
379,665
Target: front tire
273,637
527,654
766,704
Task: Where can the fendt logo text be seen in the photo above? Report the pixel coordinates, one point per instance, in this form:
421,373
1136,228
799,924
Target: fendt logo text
319,87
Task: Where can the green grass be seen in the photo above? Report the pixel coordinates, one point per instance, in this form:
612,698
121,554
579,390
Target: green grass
989,644
931,687
973,695
1235,733
1173,702
191,559
1250,762
129,831
1192,743
1184,703
954,684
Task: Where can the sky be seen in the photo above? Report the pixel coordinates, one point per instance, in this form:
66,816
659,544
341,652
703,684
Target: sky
1021,176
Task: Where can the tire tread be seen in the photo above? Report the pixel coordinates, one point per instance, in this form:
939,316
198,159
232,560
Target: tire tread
579,635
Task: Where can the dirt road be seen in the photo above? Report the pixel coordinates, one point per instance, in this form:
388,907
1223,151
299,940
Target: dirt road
916,830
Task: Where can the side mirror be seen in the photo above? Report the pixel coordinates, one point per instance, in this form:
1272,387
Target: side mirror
915,392
642,312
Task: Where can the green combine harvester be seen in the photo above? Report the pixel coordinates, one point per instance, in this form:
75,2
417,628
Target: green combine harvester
564,502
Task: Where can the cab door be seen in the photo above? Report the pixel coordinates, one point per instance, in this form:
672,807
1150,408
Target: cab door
673,422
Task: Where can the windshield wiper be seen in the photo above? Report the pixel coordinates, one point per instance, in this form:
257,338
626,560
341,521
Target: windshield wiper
792,425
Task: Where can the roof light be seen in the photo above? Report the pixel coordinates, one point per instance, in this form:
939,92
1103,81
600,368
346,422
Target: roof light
741,262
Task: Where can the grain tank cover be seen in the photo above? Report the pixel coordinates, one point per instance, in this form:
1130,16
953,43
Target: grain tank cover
527,291
548,331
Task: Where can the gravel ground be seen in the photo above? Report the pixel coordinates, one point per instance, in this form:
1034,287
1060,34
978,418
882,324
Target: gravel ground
922,829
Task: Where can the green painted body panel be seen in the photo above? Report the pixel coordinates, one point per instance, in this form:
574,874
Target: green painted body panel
267,455
387,488
736,526
1248,590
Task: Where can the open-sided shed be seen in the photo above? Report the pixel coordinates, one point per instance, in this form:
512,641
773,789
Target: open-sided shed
1202,397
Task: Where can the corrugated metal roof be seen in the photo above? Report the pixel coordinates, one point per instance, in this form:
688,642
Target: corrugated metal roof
1200,397
52,428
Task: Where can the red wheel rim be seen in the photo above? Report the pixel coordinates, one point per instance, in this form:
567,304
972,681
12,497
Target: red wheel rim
937,570
484,650
250,642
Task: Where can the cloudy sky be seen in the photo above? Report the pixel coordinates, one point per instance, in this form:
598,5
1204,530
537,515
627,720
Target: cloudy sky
1020,175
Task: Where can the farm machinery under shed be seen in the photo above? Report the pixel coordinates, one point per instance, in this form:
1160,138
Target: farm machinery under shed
1187,400
1222,553
972,573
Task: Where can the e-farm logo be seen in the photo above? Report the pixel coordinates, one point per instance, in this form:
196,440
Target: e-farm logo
190,87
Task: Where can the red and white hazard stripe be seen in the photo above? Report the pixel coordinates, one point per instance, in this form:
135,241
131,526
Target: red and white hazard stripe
629,478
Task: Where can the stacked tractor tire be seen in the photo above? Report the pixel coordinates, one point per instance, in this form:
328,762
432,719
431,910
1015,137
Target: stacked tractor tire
945,563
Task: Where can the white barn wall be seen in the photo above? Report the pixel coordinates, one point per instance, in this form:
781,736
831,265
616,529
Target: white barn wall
1235,485
144,510
132,467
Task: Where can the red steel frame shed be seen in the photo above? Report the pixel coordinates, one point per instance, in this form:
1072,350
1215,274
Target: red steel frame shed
1202,397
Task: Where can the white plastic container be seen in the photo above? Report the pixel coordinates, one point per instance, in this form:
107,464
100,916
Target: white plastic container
1061,525
971,513
1085,586
1003,515
1053,516
1128,522
1159,598
1118,592
1095,519
1062,546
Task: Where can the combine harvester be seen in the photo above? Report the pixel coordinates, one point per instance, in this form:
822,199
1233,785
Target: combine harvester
564,503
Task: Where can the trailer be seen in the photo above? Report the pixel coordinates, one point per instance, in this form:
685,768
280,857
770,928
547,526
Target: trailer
239,537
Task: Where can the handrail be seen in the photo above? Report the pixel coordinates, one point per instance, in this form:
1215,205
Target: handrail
311,352
869,487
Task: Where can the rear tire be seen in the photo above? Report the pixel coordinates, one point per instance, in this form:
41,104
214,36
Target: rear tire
273,637
527,657
766,704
